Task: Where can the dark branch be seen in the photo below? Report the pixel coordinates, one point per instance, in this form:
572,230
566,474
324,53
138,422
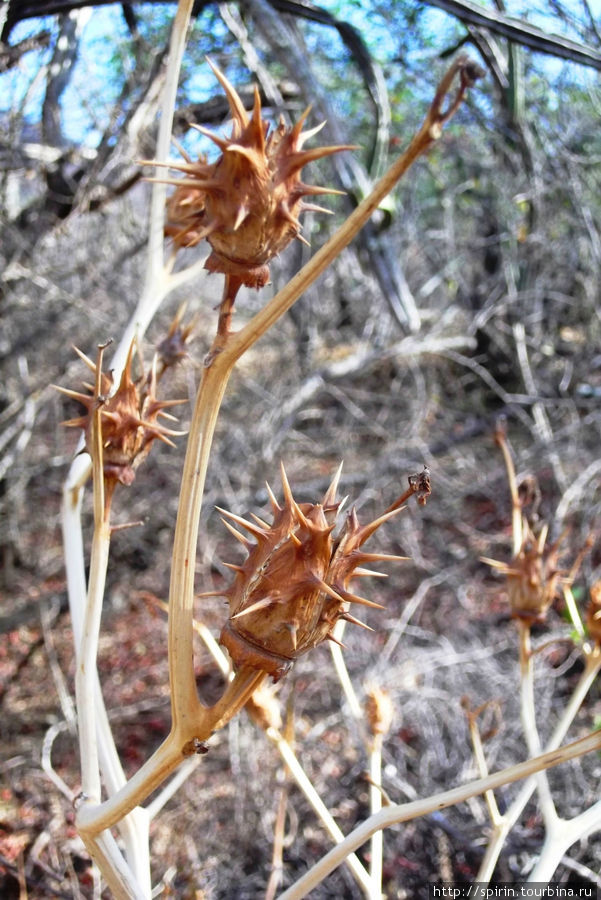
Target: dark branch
521,32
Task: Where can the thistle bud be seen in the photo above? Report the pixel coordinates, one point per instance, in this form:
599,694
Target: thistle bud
247,203
295,583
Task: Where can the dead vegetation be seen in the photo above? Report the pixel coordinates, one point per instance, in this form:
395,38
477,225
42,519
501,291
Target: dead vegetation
501,257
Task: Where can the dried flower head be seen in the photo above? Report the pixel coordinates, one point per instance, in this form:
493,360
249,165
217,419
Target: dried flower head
379,710
295,583
593,613
174,346
532,575
129,418
247,203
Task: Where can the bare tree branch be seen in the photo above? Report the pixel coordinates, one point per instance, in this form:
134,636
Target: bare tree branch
521,32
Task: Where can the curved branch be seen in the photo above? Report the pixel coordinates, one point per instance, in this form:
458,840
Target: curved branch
521,32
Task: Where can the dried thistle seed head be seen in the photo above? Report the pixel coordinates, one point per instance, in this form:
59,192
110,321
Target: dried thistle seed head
295,583
533,576
128,416
379,710
174,346
593,614
247,203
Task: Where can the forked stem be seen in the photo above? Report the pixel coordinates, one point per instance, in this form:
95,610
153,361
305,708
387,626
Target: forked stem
192,723
392,815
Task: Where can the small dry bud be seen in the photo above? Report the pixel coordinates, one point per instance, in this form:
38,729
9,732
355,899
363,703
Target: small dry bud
264,708
379,710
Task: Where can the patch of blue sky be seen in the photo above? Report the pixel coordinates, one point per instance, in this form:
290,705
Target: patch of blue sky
88,100
22,87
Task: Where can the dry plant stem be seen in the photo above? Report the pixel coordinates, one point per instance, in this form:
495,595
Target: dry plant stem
286,750
277,856
118,875
428,134
93,724
342,672
375,805
392,815
493,810
131,827
227,349
528,714
134,827
573,612
93,819
186,708
516,506
305,784
508,820
190,720
85,680
560,838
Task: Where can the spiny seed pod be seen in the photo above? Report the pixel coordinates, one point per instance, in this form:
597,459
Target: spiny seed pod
532,576
593,614
294,585
247,203
128,418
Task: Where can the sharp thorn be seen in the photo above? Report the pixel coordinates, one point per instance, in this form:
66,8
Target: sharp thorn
360,572
254,607
494,563
305,136
361,601
240,217
348,618
313,207
222,143
289,499
256,532
329,498
235,103
91,365
301,516
366,531
293,629
238,535
329,590
261,522
380,557
335,640
314,190
86,399
274,503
